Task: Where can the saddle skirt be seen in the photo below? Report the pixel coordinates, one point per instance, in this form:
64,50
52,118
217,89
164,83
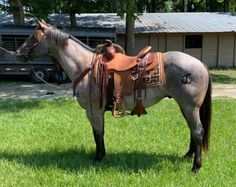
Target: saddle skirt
125,71
123,75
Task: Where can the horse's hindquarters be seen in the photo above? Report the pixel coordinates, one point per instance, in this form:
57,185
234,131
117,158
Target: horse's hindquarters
186,78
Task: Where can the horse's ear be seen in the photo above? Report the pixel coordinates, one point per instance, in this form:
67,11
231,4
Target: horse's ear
41,23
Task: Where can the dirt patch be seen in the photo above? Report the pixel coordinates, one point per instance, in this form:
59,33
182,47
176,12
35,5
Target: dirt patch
26,90
224,90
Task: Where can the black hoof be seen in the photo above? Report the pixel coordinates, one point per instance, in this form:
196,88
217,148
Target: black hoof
96,160
188,154
99,157
196,168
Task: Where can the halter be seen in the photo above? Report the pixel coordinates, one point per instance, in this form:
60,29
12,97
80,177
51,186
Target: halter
28,50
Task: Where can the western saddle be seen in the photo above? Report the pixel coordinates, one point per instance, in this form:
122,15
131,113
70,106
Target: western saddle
128,74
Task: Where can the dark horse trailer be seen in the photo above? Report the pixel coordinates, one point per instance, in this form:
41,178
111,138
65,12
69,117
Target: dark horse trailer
12,36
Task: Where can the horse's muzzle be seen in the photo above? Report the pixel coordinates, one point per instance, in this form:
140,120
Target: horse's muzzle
17,53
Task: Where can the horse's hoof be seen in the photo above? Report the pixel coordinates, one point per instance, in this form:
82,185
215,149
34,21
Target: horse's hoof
97,159
196,168
188,155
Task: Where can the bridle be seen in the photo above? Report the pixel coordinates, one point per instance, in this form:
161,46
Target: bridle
28,50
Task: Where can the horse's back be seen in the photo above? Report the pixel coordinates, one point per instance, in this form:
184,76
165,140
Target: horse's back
183,61
186,77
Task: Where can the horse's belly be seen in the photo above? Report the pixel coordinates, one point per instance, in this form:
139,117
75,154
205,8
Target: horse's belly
149,97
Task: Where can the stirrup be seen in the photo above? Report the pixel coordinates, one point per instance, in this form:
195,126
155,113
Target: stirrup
118,114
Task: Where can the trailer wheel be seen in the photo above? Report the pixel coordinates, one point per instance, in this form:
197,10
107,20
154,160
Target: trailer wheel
41,72
59,77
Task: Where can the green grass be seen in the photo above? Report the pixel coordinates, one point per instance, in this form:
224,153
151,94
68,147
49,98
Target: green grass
223,75
50,143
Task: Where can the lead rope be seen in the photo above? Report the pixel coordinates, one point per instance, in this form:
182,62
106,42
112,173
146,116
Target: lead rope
91,88
10,52
31,68
49,84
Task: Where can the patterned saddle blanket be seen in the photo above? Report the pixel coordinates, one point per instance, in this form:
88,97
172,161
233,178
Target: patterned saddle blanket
139,74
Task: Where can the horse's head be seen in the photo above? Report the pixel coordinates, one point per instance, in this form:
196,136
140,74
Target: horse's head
37,44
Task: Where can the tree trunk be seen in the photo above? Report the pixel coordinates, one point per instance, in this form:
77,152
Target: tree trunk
130,23
185,5
72,12
73,19
16,8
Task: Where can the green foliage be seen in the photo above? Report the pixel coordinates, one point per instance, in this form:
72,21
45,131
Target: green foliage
44,7
50,143
127,6
40,8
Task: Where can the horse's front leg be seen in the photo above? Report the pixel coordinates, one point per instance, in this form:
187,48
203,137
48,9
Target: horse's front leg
97,121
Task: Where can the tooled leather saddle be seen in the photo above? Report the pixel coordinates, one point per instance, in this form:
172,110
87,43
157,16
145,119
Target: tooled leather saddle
124,74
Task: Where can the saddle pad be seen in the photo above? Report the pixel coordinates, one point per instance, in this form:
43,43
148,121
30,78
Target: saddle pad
155,72
156,76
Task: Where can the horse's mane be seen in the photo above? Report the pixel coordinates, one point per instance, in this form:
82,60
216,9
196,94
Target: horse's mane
61,37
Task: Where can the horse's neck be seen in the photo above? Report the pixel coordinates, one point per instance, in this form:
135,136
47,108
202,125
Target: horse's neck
74,58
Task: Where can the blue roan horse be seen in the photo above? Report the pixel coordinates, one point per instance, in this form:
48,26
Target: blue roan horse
187,81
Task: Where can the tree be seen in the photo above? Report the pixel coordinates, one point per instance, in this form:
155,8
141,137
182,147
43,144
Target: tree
130,24
232,6
128,9
16,8
40,8
72,12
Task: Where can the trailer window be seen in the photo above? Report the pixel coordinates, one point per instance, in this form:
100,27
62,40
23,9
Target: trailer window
11,42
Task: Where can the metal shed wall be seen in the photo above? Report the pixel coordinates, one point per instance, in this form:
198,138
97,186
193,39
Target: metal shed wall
175,42
226,50
162,46
218,49
210,49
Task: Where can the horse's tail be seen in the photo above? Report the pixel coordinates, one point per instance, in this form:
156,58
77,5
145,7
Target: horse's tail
205,115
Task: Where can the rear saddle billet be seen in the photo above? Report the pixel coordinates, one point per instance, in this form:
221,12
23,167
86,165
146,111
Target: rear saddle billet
122,67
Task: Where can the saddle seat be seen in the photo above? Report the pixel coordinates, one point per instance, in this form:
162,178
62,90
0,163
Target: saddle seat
122,62
124,70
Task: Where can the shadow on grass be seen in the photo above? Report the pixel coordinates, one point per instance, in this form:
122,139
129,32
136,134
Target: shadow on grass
80,160
223,79
10,105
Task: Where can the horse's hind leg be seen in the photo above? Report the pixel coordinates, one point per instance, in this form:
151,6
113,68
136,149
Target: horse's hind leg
191,145
191,148
192,117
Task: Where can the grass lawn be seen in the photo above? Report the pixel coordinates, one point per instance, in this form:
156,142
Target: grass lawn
224,76
50,143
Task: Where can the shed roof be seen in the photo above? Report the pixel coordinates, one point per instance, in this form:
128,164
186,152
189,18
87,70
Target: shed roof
147,22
